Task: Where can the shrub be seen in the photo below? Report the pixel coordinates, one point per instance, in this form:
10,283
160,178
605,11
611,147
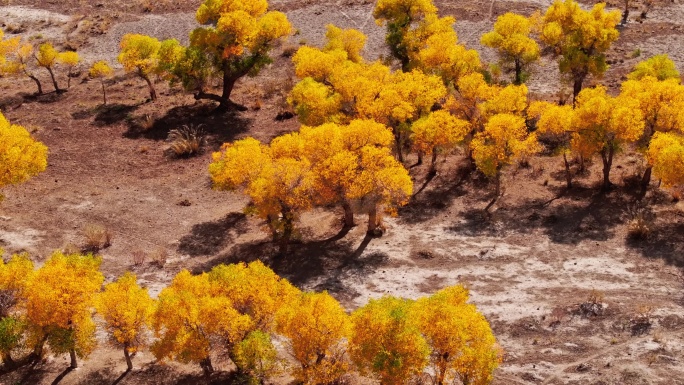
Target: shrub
138,257
97,237
640,223
186,141
159,257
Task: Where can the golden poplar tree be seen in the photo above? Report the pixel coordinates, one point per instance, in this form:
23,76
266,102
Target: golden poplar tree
101,70
580,37
126,309
140,55
461,341
14,276
190,320
386,343
315,326
440,131
59,300
234,41
21,157
511,38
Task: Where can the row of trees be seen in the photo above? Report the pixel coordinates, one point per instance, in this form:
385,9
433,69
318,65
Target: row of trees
238,311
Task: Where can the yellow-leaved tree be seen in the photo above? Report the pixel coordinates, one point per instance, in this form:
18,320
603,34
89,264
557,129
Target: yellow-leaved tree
140,55
440,131
462,345
603,124
556,120
21,157
14,275
504,139
386,343
666,156
660,67
101,70
277,179
70,59
190,320
59,298
516,49
126,309
234,41
655,84
316,326
580,37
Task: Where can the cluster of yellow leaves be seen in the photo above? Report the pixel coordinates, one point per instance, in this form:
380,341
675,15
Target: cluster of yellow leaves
666,155
504,139
21,157
580,37
58,301
327,164
395,339
660,67
100,69
238,27
511,38
315,325
126,309
139,54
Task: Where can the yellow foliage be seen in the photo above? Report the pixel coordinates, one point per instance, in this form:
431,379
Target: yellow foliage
660,67
661,102
461,341
439,131
126,309
100,69
140,54
402,10
316,326
386,343
666,155
580,37
315,103
15,274
511,38
69,58
350,41
189,320
58,301
47,56
504,139
254,290
21,157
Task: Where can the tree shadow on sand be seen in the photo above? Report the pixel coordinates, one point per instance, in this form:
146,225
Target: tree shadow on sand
219,128
209,238
319,265
106,115
586,214
665,240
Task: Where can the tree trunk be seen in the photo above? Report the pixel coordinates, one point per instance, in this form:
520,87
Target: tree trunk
74,363
104,93
348,214
129,363
568,175
625,14
207,367
288,230
497,191
270,220
397,138
577,87
646,180
153,92
607,157
373,220
433,163
35,79
518,72
420,158
228,85
54,81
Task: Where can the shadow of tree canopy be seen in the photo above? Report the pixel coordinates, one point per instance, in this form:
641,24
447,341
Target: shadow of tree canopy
321,265
211,237
218,127
586,214
106,115
156,374
665,240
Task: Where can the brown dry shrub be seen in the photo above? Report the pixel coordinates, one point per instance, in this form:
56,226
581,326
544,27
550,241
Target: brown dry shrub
138,257
97,237
159,257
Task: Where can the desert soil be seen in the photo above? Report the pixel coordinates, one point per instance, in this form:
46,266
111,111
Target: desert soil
529,267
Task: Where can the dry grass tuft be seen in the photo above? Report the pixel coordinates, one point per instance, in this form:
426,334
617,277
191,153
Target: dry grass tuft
97,237
186,141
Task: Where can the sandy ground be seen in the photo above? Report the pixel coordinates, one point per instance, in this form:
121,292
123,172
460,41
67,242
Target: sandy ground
529,267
